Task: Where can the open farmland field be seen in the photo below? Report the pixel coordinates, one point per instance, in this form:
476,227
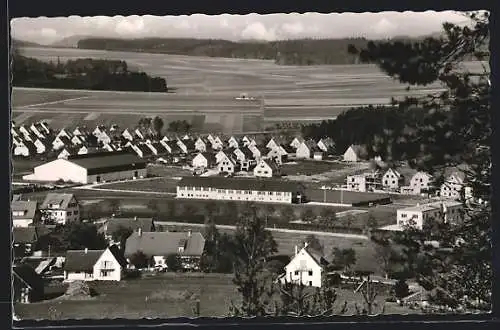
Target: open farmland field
161,296
160,185
206,88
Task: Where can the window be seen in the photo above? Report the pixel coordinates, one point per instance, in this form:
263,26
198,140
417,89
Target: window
296,272
105,273
404,215
270,193
69,213
310,273
310,283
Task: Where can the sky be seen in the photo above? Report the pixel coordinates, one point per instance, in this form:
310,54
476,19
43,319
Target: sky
269,27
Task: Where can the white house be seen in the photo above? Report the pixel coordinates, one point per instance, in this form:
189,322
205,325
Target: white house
266,169
98,131
246,141
78,132
363,182
127,135
60,142
392,179
417,216
90,168
13,132
419,182
226,165
219,156
354,153
25,132
21,150
272,144
64,154
94,265
63,132
104,138
204,160
77,140
240,155
41,147
306,150
37,130
60,208
453,186
45,126
16,141
258,153
200,145
306,267
326,144
296,142
233,142
217,143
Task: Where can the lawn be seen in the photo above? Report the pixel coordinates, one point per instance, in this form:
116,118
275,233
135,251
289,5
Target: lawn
162,296
25,97
326,173
309,167
23,166
160,185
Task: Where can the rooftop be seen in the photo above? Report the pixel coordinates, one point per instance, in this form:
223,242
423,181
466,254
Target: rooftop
81,260
103,162
28,207
165,243
60,200
255,184
430,206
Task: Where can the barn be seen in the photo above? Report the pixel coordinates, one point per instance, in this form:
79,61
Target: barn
91,168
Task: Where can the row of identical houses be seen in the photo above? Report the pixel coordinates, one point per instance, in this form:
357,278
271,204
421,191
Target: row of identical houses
413,184
39,138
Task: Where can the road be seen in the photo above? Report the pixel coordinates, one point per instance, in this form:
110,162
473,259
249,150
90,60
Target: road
279,230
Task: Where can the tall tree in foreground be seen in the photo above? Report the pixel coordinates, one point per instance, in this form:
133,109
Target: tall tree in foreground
158,125
253,244
456,130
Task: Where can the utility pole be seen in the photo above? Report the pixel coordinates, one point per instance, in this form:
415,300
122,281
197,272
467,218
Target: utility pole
49,250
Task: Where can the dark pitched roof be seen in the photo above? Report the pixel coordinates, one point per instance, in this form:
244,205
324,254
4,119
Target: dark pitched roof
113,224
210,157
104,162
24,235
256,184
57,199
146,151
79,260
28,207
118,255
159,147
28,276
17,197
317,256
165,243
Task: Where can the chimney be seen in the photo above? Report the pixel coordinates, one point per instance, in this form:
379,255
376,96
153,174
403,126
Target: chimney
190,232
86,250
296,250
135,218
139,231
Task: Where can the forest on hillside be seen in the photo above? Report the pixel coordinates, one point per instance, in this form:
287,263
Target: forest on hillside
286,52
84,73
283,52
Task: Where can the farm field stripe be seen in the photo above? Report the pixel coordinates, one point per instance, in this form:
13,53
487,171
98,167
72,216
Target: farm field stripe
54,102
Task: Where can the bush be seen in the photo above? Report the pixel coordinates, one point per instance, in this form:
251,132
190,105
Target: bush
401,289
131,274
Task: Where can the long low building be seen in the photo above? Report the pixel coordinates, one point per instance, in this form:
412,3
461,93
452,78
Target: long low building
91,168
240,189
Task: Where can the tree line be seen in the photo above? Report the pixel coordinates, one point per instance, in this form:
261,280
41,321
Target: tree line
82,73
284,52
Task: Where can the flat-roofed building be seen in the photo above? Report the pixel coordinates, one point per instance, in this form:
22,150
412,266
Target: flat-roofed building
241,189
417,216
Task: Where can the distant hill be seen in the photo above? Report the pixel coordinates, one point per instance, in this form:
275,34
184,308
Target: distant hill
22,43
68,42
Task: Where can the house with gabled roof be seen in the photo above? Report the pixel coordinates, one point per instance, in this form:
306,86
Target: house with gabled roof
226,165
127,135
25,213
37,130
24,238
307,149
187,146
296,142
240,155
204,160
77,140
233,142
189,246
279,155
64,154
272,143
419,182
326,145
392,179
79,131
94,265
142,150
216,143
172,147
14,132
258,152
41,146
200,144
25,149
45,126
355,153
266,169
63,133
453,186
28,135
157,148
28,286
60,142
60,208
307,267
